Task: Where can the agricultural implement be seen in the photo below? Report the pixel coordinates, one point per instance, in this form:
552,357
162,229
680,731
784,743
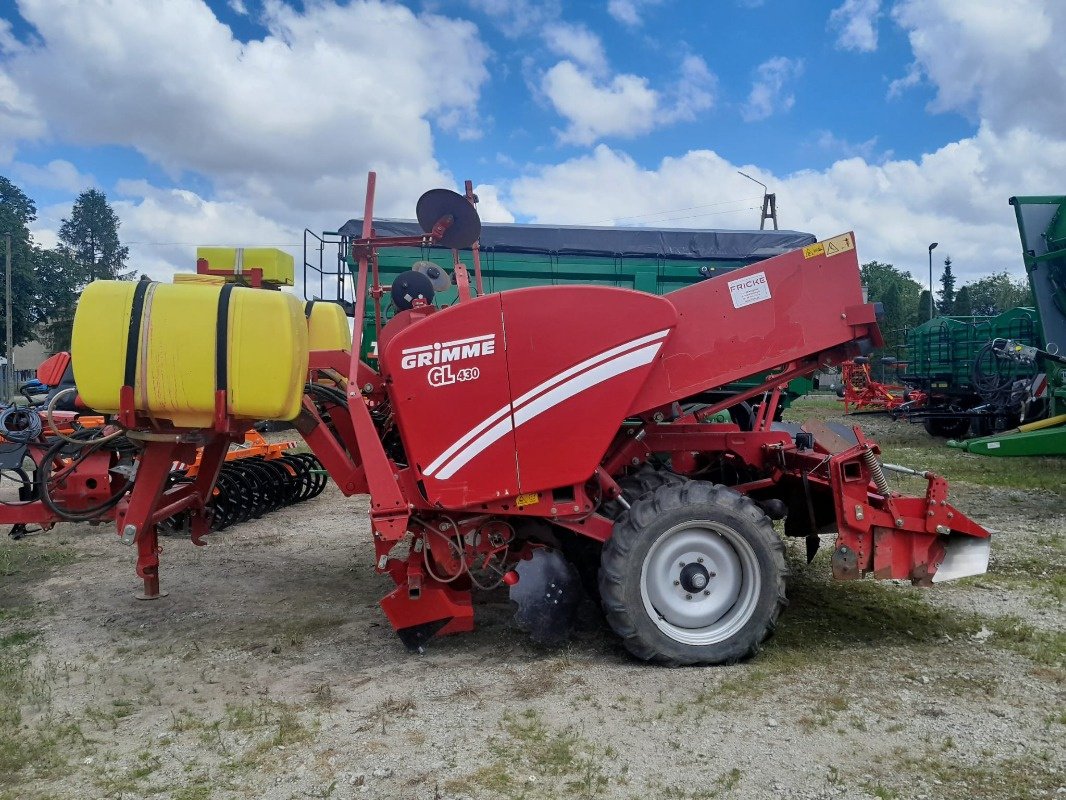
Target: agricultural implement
542,439
861,392
1042,227
69,466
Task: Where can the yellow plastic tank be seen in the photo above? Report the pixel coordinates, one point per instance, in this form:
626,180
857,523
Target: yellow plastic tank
328,328
277,265
193,277
174,367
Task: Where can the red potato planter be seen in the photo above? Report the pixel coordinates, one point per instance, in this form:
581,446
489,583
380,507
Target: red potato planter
542,438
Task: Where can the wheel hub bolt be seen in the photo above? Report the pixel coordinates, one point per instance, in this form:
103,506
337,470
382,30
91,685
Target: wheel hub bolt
694,578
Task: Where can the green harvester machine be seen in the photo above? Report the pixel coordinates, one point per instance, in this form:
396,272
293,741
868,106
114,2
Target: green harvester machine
513,256
1042,226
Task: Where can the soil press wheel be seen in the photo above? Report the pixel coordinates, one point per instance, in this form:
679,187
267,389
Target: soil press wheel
693,574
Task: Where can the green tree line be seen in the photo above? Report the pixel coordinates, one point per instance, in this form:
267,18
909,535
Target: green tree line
906,304
46,282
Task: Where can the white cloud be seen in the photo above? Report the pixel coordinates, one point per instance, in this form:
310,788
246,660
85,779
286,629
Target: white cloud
489,207
163,227
840,147
769,93
624,105
911,79
238,7
629,12
56,174
956,195
576,43
997,62
694,92
260,117
517,18
855,22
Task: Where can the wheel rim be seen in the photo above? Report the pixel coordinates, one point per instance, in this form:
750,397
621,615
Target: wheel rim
700,582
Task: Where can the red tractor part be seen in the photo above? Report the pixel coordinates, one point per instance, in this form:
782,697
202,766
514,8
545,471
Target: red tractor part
66,466
554,438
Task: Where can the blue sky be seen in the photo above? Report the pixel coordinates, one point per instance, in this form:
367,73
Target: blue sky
243,121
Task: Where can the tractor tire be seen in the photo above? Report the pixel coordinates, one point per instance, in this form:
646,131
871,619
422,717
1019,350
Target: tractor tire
721,604
947,427
646,479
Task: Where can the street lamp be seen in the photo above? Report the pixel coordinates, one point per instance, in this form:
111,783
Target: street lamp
931,248
9,378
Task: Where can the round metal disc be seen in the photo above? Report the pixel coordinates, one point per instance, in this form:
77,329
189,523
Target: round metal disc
410,286
466,224
729,597
436,274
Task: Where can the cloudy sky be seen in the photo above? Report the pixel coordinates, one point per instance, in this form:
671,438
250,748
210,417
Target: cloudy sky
240,122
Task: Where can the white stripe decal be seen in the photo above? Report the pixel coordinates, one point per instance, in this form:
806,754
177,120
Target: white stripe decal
438,462
586,380
562,376
548,400
466,437
492,435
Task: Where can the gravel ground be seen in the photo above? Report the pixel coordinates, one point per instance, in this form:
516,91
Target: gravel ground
269,672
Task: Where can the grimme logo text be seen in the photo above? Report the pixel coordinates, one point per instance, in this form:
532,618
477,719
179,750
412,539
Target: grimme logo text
447,352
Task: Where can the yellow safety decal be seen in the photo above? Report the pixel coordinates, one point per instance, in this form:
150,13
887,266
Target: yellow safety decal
812,250
530,499
839,244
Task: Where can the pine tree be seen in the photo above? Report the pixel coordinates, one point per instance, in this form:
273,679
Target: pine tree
947,291
90,237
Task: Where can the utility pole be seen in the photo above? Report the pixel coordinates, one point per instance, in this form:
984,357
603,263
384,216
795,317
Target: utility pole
769,203
932,247
9,379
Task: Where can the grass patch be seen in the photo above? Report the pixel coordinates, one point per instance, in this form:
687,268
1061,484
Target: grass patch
907,444
275,725
827,617
27,753
531,760
27,560
1020,778
198,791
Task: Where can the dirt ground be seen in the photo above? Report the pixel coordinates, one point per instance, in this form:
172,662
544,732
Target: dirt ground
270,672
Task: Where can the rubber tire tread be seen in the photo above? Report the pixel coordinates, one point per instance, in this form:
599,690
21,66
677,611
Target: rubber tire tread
649,518
947,428
637,485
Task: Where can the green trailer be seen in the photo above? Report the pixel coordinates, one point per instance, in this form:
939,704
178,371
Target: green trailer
513,256
1042,228
950,360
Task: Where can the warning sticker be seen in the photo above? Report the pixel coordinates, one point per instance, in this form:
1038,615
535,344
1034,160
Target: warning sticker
752,289
530,499
812,250
839,244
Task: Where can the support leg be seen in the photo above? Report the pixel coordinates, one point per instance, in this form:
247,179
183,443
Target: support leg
148,563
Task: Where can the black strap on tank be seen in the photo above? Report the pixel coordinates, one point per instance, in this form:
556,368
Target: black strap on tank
133,339
308,306
222,340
